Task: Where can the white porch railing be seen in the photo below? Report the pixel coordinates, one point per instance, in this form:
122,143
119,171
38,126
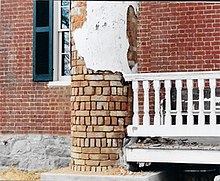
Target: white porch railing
190,105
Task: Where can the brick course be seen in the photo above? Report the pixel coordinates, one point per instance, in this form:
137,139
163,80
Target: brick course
178,36
26,106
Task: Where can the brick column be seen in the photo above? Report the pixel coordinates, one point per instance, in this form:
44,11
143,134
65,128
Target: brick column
101,110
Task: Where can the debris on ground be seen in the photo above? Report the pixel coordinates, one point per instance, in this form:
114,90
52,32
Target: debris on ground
168,143
11,173
112,171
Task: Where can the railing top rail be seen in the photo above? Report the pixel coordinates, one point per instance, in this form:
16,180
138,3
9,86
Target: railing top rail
172,75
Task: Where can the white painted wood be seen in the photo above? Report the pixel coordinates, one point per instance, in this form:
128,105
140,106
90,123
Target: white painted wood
156,85
179,102
135,86
168,102
190,102
146,117
173,156
167,129
172,75
212,84
201,119
174,130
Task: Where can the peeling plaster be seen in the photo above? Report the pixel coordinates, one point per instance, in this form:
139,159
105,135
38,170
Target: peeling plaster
102,40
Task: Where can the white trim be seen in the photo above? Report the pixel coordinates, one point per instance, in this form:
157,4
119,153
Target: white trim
196,156
58,83
173,130
55,40
58,80
173,75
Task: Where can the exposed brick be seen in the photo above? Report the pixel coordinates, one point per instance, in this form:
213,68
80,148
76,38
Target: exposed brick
79,162
112,77
77,149
110,150
100,121
107,121
83,98
96,134
104,142
98,156
113,156
99,113
100,98
115,83
92,142
102,105
99,83
92,163
81,128
82,113
98,142
107,163
94,77
79,134
103,128
118,113
89,91
90,150
77,77
115,135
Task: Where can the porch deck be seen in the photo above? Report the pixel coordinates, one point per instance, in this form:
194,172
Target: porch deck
177,104
166,150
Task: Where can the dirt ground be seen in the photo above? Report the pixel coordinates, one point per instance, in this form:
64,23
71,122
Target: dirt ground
14,174
10,173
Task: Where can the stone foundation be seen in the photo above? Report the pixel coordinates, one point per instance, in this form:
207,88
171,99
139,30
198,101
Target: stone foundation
35,152
101,110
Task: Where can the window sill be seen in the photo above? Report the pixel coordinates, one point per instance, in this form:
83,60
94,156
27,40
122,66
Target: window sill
59,83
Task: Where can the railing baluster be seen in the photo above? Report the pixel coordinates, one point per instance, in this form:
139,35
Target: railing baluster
179,102
190,102
156,84
146,118
168,102
135,87
201,102
212,84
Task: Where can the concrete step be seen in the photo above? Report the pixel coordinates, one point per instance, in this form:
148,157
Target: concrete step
148,176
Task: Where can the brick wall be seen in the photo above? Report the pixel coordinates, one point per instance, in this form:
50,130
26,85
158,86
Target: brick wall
101,110
132,36
178,36
26,106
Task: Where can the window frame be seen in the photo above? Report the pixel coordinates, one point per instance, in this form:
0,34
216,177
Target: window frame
57,45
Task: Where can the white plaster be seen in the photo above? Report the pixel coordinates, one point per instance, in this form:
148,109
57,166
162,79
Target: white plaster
102,40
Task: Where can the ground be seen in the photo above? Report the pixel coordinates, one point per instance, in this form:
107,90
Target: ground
14,174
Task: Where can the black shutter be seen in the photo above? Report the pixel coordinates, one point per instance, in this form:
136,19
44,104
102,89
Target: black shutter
43,40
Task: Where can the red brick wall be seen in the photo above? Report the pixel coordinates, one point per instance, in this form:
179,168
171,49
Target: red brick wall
178,36
26,106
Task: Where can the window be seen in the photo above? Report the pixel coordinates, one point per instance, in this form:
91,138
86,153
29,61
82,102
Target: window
51,49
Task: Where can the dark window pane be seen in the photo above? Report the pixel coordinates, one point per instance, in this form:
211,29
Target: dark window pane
42,55
65,18
65,42
65,3
65,64
42,13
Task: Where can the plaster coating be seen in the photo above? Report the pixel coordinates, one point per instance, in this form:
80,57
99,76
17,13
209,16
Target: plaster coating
102,40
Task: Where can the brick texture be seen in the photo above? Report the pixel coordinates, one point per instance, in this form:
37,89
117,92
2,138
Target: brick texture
178,36
26,106
99,117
